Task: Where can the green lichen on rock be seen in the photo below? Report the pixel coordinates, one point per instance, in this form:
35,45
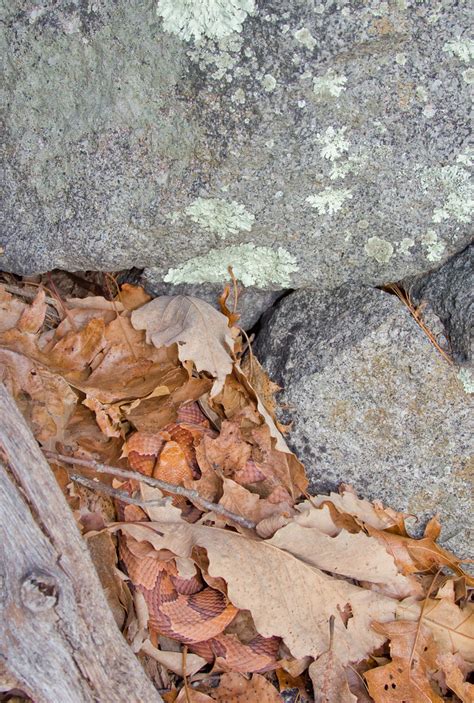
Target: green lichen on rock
219,216
194,19
330,200
253,265
379,249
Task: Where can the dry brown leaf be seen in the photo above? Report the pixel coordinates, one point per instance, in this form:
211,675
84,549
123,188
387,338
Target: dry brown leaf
201,332
11,309
250,567
45,399
32,318
174,660
454,677
356,556
329,680
104,555
263,386
193,696
241,501
409,676
235,688
452,627
133,297
365,512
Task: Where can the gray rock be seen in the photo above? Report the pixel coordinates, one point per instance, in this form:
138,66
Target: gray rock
314,144
450,293
252,302
373,404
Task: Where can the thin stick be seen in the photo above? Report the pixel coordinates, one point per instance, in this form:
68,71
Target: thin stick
114,492
189,493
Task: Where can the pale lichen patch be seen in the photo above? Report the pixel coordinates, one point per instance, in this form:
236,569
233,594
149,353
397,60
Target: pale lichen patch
269,82
329,84
330,200
434,247
405,245
468,76
333,142
194,19
467,380
463,49
458,192
219,216
303,36
379,249
252,265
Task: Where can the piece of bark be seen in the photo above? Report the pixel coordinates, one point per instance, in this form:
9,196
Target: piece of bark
58,638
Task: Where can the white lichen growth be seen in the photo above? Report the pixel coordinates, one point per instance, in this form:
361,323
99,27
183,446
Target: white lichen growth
463,49
329,84
304,36
405,245
434,247
252,265
379,249
467,379
269,82
468,76
195,19
330,200
221,217
457,191
238,97
333,142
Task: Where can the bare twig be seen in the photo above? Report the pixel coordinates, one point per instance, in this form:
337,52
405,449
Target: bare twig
189,493
114,492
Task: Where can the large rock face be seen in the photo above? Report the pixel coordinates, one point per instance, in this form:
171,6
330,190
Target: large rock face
305,143
374,404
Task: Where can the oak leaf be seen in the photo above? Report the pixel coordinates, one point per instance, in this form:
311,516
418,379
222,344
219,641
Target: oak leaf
235,688
201,332
250,567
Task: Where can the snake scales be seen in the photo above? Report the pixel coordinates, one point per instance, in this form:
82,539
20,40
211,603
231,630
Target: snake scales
187,610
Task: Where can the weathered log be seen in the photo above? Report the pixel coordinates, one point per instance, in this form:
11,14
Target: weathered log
58,639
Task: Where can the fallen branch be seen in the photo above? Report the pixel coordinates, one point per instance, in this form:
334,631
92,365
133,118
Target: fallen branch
189,493
58,638
113,492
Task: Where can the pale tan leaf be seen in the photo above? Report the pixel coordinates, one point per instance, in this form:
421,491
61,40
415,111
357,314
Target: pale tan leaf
354,555
44,398
250,567
455,678
409,676
201,332
235,688
452,626
329,680
11,309
174,660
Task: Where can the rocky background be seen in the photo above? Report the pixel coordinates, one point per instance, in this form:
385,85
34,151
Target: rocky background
321,150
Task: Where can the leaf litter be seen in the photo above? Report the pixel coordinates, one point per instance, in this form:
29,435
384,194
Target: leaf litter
229,581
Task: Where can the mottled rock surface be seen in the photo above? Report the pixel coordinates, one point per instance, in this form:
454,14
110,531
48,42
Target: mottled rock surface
305,143
373,404
450,293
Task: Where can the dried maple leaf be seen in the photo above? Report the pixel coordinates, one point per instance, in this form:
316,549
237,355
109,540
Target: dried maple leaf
201,332
302,620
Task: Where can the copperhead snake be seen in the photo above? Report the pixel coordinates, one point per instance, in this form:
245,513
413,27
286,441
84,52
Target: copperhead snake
187,610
